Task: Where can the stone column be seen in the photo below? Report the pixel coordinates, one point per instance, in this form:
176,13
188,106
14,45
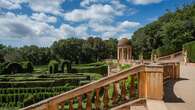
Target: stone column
122,54
118,53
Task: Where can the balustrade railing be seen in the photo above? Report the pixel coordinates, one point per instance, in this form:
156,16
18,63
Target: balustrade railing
137,82
101,94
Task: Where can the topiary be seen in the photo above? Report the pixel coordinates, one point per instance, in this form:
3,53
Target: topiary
53,66
68,65
13,68
27,67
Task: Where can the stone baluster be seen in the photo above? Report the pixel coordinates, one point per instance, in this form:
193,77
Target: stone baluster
132,87
52,106
123,89
71,104
115,92
62,105
97,99
106,98
88,105
79,102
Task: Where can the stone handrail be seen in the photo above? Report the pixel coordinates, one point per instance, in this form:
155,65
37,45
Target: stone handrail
167,57
118,81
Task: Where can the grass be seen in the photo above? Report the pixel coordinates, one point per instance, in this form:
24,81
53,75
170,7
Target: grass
40,69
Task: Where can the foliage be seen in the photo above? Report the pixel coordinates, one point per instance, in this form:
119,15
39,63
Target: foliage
27,67
13,68
53,66
124,66
168,33
66,63
91,68
190,48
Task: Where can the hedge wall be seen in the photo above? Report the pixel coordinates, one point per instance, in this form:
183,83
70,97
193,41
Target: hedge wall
27,67
13,67
190,48
64,63
102,69
53,66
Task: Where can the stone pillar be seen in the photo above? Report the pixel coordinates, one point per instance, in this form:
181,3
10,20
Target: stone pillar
122,54
118,53
151,82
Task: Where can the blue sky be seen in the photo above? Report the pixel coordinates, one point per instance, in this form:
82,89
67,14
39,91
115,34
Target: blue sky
41,22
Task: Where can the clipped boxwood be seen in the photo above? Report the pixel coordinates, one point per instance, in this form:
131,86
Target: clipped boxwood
13,68
53,66
27,67
102,69
190,48
66,63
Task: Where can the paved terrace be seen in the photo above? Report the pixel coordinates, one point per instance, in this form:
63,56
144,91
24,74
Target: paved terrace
180,94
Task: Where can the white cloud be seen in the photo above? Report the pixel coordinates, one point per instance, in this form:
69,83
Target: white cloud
120,27
11,4
46,6
145,2
108,30
23,27
42,17
94,12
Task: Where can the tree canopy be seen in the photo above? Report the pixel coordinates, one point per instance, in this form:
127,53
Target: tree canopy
168,33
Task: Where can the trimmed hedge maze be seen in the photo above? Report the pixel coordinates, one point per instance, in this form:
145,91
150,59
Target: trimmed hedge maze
23,89
20,90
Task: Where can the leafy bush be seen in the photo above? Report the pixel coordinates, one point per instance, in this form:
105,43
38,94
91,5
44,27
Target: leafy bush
27,67
53,66
124,66
190,48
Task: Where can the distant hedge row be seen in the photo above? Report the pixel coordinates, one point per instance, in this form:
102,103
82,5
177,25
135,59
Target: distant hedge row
190,48
49,83
101,69
12,68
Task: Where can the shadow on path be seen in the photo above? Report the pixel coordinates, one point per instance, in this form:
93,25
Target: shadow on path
169,95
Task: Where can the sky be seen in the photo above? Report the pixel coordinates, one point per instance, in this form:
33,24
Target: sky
41,22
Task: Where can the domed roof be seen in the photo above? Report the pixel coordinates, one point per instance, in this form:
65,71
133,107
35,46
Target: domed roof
123,42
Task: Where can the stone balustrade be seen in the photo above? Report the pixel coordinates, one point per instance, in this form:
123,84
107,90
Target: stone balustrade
138,82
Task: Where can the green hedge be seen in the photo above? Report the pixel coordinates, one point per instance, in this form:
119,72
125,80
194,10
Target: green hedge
190,48
27,67
48,83
53,66
14,68
66,63
102,69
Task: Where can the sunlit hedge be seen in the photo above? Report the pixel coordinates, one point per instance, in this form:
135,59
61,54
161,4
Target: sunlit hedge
190,48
